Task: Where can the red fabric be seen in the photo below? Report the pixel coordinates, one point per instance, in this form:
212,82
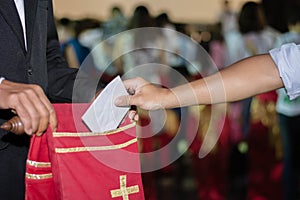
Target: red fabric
89,174
39,189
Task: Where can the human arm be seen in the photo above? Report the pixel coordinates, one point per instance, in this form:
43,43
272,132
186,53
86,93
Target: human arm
243,79
66,84
30,104
60,76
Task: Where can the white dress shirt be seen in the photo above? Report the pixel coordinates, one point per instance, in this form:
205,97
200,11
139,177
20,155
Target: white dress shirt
21,11
287,60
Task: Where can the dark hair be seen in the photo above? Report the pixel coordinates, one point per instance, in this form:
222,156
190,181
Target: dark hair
293,16
64,21
162,19
251,18
141,18
116,9
85,24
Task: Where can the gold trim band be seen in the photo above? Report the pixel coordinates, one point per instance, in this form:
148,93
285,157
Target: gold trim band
124,191
38,176
95,148
83,134
127,191
38,164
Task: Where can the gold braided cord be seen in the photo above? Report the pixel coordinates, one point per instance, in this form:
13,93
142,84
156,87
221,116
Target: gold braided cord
38,164
38,176
95,148
84,134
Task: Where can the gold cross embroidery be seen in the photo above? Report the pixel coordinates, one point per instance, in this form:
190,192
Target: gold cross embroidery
124,191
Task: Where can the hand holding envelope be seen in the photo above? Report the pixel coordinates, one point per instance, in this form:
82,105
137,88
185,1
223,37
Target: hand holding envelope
103,115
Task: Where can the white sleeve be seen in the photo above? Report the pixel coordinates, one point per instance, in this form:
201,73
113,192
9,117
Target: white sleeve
1,79
287,59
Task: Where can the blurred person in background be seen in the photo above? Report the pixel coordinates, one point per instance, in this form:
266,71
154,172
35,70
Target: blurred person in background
137,47
249,39
289,117
101,42
116,23
217,45
250,36
65,29
228,17
170,39
74,51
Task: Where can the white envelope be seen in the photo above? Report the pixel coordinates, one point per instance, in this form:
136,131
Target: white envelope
103,115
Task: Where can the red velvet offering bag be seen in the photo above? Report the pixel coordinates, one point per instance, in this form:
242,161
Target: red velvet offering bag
39,179
87,165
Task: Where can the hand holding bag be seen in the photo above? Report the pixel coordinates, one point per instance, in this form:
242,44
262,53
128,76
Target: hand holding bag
83,165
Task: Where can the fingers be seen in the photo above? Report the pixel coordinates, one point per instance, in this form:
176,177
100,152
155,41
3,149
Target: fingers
134,84
32,106
29,115
50,115
53,120
123,101
31,110
132,114
24,117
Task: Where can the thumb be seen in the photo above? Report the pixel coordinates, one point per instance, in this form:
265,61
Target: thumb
53,120
123,101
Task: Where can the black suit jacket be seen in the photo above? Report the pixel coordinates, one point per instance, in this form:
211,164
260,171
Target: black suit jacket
42,62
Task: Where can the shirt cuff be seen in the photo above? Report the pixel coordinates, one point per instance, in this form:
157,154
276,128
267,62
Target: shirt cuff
287,61
1,79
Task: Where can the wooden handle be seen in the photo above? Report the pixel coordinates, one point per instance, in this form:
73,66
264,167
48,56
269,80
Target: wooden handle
14,125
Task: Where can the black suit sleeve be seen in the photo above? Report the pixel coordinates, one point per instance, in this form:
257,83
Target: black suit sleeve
61,78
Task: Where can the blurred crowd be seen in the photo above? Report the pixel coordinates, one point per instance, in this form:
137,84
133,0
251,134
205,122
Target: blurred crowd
257,155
